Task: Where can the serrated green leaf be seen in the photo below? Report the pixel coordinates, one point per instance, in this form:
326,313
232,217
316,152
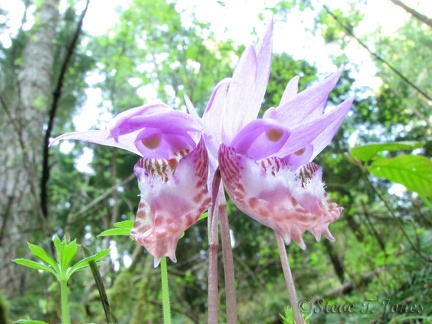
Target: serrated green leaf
367,152
412,171
34,265
41,254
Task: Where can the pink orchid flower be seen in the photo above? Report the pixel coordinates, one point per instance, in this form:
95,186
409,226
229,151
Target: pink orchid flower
265,164
172,172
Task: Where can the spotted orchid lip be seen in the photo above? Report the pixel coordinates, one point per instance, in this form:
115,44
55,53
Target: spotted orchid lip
290,202
173,197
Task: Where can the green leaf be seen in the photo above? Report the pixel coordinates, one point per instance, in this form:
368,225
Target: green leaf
84,263
115,231
367,152
124,224
34,265
203,216
59,247
43,256
412,171
69,252
121,228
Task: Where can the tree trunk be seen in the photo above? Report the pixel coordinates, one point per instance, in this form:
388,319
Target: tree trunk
22,143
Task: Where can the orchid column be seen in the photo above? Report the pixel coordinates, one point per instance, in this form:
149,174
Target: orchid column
265,164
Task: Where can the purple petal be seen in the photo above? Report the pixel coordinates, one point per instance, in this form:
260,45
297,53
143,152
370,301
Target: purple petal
318,132
154,131
154,116
290,90
250,84
191,109
327,135
299,158
307,105
119,124
102,137
247,88
213,115
159,144
260,138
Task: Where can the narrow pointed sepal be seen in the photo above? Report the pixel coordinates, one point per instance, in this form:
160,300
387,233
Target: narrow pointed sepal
173,197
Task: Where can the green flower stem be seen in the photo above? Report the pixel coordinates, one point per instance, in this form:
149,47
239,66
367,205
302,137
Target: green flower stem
289,281
165,292
64,302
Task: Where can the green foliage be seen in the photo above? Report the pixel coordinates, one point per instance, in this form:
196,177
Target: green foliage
413,171
337,25
4,309
62,268
367,152
288,316
120,228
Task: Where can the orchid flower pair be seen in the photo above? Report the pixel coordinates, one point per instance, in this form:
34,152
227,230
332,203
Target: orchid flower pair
265,164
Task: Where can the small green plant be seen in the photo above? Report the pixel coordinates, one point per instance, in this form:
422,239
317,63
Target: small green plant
288,316
62,268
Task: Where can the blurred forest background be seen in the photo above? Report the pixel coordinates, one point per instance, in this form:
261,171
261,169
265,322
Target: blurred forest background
52,69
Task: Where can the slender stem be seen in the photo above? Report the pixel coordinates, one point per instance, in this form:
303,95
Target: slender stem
165,292
213,303
231,301
213,219
64,302
289,281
